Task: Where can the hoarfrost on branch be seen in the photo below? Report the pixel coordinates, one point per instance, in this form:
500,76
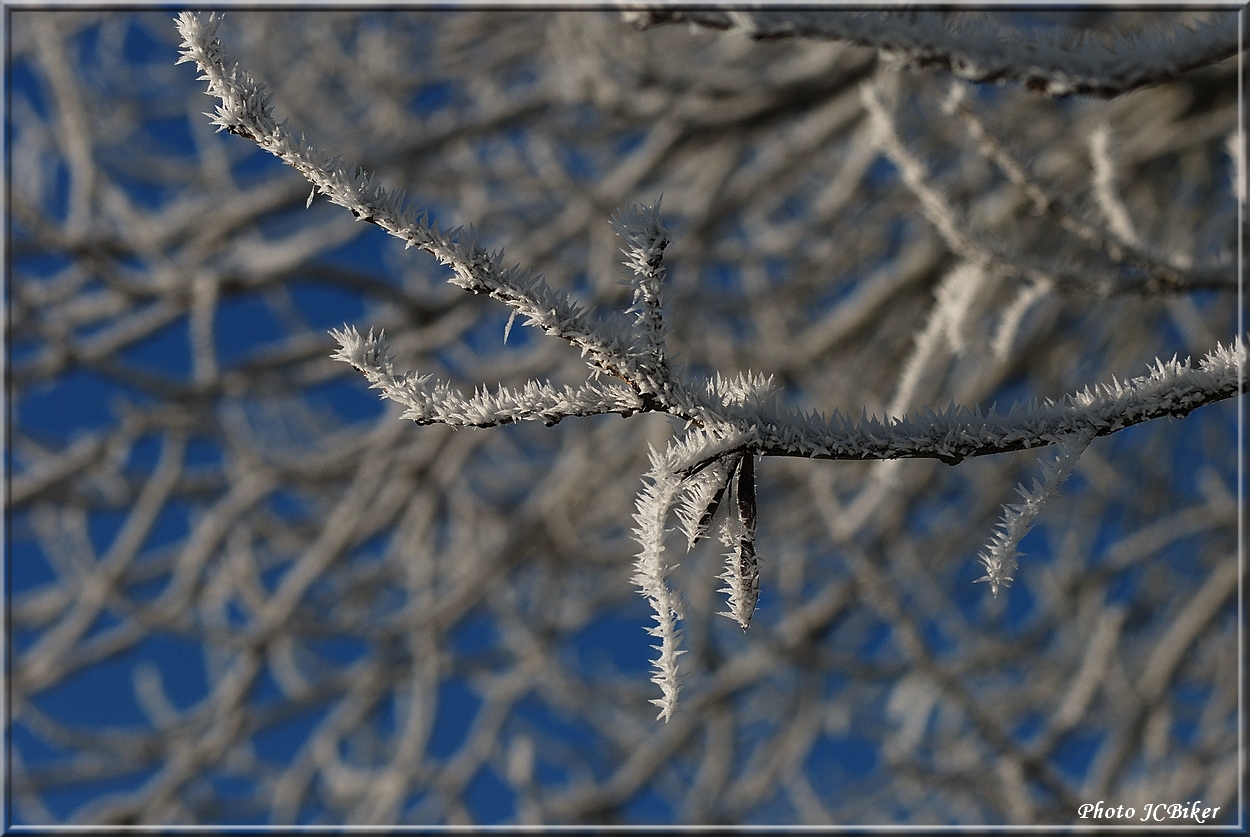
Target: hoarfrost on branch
728,420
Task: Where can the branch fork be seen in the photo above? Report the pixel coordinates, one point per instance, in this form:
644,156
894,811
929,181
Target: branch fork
729,421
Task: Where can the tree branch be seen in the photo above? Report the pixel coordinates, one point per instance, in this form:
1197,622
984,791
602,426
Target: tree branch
980,48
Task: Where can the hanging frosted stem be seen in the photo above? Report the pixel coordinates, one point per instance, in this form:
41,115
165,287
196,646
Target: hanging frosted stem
741,575
999,556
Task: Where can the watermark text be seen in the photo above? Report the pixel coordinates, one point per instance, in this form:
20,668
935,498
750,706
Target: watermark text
1150,812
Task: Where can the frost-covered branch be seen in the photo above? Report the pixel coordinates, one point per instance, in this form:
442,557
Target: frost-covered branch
438,402
244,110
1172,388
412,610
641,229
729,420
999,557
651,574
982,48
